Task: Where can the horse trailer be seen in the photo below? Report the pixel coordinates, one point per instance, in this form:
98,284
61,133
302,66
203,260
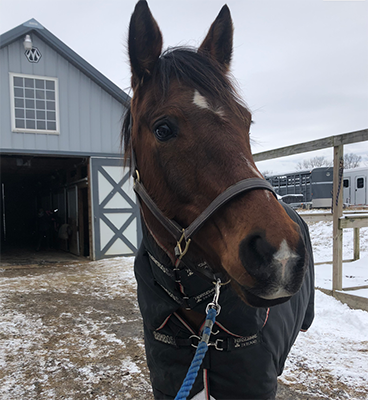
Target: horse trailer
355,186
316,187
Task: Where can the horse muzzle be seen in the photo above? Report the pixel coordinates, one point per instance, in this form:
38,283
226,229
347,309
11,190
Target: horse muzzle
274,273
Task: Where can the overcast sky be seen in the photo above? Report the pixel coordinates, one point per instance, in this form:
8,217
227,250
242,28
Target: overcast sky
301,65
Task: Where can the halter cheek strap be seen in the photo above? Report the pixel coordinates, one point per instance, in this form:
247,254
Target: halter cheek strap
183,236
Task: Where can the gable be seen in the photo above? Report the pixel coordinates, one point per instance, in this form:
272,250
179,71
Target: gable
90,107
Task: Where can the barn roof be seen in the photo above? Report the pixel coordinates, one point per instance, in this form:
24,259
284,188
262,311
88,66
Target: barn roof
34,27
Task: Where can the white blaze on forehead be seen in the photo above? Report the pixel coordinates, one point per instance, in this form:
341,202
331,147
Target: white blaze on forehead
202,102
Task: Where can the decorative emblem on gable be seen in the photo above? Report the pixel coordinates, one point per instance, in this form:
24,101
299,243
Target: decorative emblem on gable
33,55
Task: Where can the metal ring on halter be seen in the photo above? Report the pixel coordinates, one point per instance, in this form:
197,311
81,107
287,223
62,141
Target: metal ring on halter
215,304
223,284
137,176
217,307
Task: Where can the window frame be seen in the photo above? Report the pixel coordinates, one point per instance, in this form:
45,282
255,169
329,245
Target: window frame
12,105
360,180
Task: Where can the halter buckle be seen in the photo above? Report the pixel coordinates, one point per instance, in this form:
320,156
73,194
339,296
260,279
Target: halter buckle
179,252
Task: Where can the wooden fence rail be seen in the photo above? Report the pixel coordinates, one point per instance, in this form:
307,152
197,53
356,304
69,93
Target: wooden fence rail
355,220
319,144
339,222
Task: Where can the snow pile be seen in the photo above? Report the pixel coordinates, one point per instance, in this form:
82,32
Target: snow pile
330,361
336,346
354,273
321,235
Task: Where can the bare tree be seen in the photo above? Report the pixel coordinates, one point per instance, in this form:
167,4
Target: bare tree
314,163
266,173
351,160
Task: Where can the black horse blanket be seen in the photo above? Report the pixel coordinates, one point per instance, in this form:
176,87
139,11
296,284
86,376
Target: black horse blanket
248,347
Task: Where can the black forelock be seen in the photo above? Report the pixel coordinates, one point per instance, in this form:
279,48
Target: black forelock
192,69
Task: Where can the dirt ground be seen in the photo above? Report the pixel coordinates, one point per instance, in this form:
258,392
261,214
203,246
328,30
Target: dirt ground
71,329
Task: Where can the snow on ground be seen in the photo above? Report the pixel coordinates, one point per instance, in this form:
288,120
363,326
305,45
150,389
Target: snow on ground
336,345
71,332
74,332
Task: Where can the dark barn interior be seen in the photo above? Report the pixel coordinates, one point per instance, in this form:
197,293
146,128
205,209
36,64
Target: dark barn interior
39,195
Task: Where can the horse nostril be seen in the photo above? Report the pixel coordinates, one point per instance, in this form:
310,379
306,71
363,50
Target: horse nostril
256,254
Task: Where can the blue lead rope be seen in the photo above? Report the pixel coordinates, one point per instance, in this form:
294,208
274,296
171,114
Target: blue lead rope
213,309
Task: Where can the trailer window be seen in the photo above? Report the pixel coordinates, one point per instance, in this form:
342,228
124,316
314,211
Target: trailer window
346,183
360,183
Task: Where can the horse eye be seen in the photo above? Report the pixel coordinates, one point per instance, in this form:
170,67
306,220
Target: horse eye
163,132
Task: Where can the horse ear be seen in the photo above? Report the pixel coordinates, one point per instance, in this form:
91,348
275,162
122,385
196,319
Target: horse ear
218,43
144,43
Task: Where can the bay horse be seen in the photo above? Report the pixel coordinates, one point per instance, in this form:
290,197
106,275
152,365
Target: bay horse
208,217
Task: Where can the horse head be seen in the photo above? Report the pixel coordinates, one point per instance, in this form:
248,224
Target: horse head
189,131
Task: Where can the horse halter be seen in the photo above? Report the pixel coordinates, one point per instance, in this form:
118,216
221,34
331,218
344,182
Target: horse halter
183,236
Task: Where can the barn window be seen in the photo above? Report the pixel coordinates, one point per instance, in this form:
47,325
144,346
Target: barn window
34,104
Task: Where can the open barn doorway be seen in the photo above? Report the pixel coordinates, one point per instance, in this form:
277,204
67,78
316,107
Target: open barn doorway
44,208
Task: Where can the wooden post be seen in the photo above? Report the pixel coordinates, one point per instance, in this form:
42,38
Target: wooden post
356,244
337,213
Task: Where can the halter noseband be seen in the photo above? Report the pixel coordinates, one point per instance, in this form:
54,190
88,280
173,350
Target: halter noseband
181,234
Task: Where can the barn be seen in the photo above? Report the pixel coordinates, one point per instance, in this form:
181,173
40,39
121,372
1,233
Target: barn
61,161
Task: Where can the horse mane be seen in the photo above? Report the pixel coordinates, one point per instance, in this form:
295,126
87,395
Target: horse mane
193,69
